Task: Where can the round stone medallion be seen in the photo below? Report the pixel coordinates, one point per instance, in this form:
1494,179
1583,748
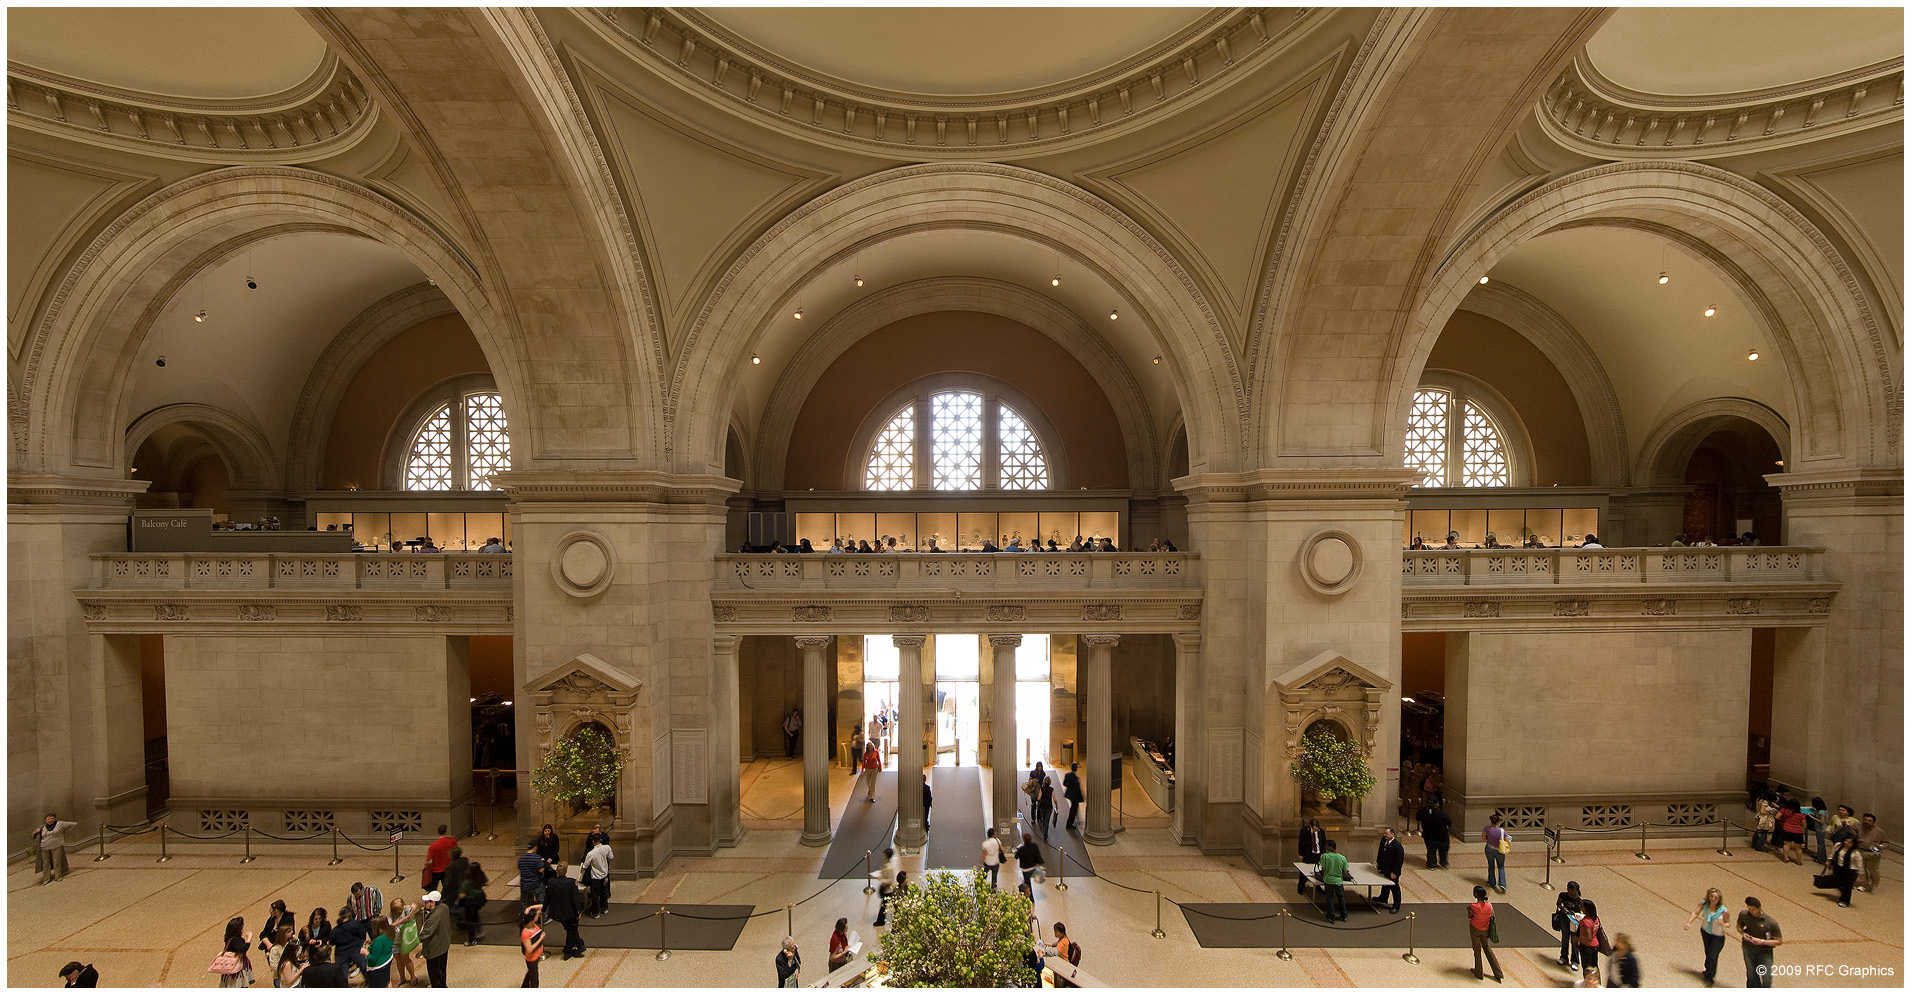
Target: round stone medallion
583,564
1330,561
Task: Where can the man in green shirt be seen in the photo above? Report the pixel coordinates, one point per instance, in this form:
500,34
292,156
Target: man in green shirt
1333,869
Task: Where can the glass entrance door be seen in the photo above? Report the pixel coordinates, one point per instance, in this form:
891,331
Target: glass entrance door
956,712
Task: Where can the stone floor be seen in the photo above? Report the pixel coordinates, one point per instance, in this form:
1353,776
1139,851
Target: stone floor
143,923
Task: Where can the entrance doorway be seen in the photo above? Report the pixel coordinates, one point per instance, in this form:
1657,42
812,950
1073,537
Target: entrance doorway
1032,700
882,682
958,692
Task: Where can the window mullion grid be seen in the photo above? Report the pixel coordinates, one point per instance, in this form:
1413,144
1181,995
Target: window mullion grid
1456,462
923,456
992,443
460,439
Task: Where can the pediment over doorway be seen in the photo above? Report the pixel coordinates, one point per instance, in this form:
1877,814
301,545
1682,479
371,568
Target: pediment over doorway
1330,672
586,674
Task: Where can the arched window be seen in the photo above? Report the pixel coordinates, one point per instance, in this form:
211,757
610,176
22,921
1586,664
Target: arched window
1454,442
459,446
959,440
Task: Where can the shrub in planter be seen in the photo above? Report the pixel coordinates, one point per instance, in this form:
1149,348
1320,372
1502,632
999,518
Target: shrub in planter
1334,768
582,769
954,930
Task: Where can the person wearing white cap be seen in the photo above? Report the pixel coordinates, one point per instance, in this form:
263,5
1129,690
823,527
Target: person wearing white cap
435,937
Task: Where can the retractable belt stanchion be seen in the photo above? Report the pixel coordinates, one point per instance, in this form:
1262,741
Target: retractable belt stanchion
663,933
1641,853
1723,852
103,855
335,848
1283,953
163,856
1411,958
397,876
1062,871
867,887
1157,932
248,858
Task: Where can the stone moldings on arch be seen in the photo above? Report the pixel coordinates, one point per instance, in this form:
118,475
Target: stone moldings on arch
75,372
1844,374
583,563
893,304
1330,561
238,442
914,200
1585,376
363,336
1665,451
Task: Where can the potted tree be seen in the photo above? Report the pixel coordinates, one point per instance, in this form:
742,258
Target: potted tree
954,930
1328,767
582,770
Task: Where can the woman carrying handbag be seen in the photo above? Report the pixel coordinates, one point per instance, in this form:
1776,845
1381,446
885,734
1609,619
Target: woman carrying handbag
233,966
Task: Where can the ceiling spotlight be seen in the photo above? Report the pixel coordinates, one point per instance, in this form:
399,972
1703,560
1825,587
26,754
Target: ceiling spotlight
755,359
252,284
1407,698
1663,277
1055,281
797,314
859,280
1158,360
1752,354
1483,278
1711,310
1111,314
201,317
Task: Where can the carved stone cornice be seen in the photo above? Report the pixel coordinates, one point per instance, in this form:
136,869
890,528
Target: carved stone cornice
326,112
1514,608
1795,488
54,489
1223,46
283,612
1589,113
1380,483
631,486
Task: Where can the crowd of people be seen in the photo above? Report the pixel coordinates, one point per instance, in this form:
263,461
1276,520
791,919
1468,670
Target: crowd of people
931,544
1536,541
1847,849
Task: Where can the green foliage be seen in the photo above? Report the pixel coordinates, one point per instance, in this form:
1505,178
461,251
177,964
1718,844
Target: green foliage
954,930
583,767
1333,767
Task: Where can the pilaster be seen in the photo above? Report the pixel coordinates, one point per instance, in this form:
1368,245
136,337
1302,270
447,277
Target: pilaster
912,821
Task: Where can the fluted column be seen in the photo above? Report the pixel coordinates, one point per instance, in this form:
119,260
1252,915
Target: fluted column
816,741
911,830
1191,790
1002,761
1099,696
725,776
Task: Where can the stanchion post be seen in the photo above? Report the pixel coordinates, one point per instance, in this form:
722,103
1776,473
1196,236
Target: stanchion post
1547,882
1157,932
163,856
103,855
1723,852
867,887
1560,842
248,858
1411,958
1641,853
491,813
1062,879
335,848
663,933
397,876
1283,953
789,920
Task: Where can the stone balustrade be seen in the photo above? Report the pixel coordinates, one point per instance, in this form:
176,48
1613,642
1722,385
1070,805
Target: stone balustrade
1756,565
981,572
302,571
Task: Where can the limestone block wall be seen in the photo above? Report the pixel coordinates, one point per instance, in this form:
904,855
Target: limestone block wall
1609,717
1144,686
367,722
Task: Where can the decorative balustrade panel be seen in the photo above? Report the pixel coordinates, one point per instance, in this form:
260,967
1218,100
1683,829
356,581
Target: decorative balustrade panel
979,571
304,571
1648,565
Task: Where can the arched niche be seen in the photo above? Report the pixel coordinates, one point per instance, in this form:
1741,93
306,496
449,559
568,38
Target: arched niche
584,691
1333,689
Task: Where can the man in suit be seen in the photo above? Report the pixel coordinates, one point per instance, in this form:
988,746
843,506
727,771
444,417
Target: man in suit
1434,827
563,904
1389,861
1072,791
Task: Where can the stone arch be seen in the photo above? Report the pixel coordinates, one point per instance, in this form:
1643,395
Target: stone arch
363,336
239,443
1842,366
1562,346
1009,200
992,297
77,365
1665,451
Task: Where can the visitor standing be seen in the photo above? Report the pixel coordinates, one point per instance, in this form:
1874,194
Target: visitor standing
348,941
1792,832
1844,866
1758,936
792,726
1333,871
597,877
1314,840
1434,830
549,845
434,937
471,902
929,798
531,866
992,856
1566,920
403,918
1389,860
531,941
1481,930
1497,842
1816,817
1711,913
238,943
1871,846
50,856
1072,793
562,904
840,944
364,903
437,858
872,766
1764,813
1590,935
378,957
789,965
276,918
1045,808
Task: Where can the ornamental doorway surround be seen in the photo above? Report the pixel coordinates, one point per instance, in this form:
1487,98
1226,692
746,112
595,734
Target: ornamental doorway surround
1332,688
580,692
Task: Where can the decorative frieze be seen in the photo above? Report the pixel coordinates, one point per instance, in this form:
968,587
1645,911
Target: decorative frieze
723,614
431,613
1742,606
1481,610
810,614
172,613
1004,613
909,613
344,613
92,611
1101,613
258,613
1190,612
1571,607
1656,606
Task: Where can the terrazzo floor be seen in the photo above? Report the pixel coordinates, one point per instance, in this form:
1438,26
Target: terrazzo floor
142,923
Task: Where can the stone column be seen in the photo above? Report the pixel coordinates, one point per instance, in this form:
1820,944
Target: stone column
1099,705
725,775
1002,764
911,828
1189,783
816,741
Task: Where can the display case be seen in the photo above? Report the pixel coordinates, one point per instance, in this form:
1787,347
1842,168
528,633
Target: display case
1155,771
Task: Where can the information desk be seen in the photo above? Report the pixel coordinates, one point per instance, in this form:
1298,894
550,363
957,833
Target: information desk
1153,771
1362,876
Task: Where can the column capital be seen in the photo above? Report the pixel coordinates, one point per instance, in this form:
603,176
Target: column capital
909,640
807,642
1100,639
1005,639
1188,643
725,643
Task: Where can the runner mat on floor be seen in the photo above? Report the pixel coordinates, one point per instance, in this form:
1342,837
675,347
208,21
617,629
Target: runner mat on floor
1436,925
956,821
624,925
1063,841
866,826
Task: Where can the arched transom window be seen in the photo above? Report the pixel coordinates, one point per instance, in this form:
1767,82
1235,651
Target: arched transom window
459,446
1454,443
956,441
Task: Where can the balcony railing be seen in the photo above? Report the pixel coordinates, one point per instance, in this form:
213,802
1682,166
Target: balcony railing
1617,565
296,571
977,571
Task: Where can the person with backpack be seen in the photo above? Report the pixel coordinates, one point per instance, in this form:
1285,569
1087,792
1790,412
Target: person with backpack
1593,939
1069,951
1498,842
